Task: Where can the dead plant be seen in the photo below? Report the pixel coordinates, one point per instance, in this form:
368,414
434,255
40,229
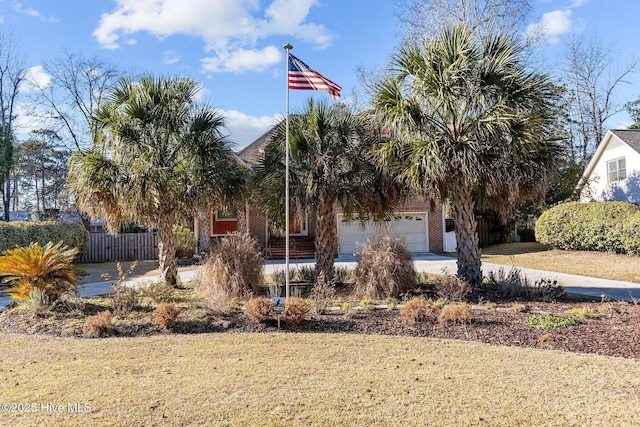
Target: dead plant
385,269
258,309
457,313
233,268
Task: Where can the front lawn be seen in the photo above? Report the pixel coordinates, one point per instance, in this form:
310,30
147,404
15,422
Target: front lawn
584,263
285,379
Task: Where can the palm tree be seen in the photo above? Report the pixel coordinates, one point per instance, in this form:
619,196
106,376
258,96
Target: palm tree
330,164
470,123
158,155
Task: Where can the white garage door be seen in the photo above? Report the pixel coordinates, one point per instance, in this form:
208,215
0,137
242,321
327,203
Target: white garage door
412,227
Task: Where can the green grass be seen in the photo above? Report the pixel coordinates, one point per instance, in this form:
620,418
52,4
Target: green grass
283,379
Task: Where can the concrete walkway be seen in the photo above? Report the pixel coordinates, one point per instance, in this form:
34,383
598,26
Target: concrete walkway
428,263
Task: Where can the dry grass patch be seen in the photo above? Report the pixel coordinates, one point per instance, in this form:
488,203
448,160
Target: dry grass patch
335,379
585,263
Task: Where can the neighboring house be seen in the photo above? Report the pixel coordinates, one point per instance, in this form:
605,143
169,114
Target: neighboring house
420,225
613,174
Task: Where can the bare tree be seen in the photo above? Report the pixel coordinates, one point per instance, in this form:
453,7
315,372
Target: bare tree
424,18
592,74
12,73
78,86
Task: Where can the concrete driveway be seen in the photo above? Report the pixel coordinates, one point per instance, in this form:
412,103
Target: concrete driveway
428,263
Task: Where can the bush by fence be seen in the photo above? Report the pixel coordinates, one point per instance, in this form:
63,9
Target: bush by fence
22,234
598,226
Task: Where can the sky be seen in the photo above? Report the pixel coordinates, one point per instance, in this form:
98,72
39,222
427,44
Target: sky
235,47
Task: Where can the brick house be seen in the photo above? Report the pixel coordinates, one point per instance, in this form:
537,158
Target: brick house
417,222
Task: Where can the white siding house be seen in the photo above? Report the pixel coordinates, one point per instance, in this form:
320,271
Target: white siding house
613,174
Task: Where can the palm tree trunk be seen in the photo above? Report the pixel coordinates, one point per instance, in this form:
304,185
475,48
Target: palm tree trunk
326,239
167,248
466,229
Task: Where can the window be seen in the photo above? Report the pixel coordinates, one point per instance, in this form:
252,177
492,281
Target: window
617,170
226,215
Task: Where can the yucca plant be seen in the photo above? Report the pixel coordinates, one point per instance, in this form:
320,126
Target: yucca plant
39,273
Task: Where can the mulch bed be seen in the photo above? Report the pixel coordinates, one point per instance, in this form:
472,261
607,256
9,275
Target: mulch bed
613,334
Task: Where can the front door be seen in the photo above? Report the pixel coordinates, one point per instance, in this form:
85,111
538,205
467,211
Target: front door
297,224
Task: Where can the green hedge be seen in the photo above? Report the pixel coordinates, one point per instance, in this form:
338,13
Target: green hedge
19,233
598,226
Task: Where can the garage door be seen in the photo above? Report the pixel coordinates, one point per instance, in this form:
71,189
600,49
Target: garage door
410,226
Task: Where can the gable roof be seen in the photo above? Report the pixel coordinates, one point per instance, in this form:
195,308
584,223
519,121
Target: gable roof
253,152
630,136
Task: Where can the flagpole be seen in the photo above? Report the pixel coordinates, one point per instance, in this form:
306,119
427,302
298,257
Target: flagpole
287,47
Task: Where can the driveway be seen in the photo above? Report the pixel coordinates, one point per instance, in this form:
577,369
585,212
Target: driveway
428,263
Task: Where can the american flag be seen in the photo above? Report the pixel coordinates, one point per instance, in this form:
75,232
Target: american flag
302,77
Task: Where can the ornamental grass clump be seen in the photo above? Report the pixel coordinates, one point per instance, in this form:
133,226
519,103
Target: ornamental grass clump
40,274
233,268
384,269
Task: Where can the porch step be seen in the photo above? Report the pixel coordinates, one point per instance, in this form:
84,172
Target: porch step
299,247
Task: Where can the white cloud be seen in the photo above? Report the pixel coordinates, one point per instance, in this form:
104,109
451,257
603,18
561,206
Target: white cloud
231,29
552,25
578,3
171,57
243,60
18,7
245,129
36,78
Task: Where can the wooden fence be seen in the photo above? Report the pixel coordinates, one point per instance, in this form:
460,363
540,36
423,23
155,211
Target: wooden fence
104,247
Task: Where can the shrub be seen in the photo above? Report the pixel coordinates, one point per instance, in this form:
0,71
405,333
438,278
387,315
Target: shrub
279,278
322,293
296,310
233,268
451,287
98,325
384,269
258,309
417,310
23,234
599,226
456,313
166,314
344,275
185,242
305,274
39,273
123,298
346,307
158,291
515,285
547,321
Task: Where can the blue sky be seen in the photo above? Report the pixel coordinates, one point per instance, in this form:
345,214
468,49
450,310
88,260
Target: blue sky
234,47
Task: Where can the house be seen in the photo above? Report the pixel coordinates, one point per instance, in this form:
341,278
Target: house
613,174
418,222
